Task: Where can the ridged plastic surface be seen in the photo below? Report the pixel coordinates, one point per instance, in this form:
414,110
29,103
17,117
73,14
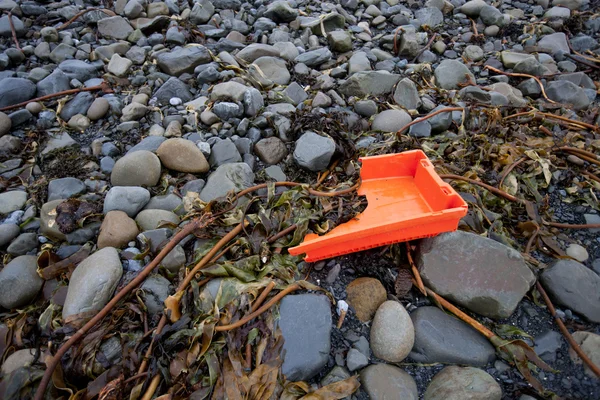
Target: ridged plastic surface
406,200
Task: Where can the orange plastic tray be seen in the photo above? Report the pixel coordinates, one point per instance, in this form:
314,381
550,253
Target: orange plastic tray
407,200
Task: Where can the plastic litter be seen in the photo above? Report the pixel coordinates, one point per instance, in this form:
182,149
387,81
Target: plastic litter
407,200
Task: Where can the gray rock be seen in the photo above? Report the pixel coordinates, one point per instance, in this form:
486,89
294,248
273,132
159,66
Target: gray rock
472,8
173,88
150,143
92,283
573,285
420,129
183,59
383,382
510,59
498,276
270,150
153,219
475,94
175,259
340,41
234,176
256,50
568,93
490,15
369,83
56,82
329,22
429,16
114,27
5,124
440,338
336,374
474,53
356,360
98,109
390,120
281,11
20,282
315,57
557,13
556,42
62,52
18,359
229,91
129,199
202,12
5,29
458,383
8,232
450,73
392,332
12,201
295,93
23,244
547,344
253,102
406,94
16,90
578,78
530,66
119,66
79,105
305,322
583,43
155,291
359,62
366,108
77,69
169,202
140,168
65,188
224,152
313,151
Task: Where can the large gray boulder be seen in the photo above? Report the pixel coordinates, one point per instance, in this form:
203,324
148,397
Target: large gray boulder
568,93
573,285
369,83
129,199
314,151
16,90
305,322
93,283
440,338
233,176
450,73
183,59
480,274
20,282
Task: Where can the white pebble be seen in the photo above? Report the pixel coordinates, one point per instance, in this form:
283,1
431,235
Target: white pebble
342,306
175,101
577,252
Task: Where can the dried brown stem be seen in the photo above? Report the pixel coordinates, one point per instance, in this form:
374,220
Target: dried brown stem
281,234
261,310
523,76
13,31
492,189
104,87
583,60
257,303
415,270
545,131
509,169
185,231
433,114
591,176
537,114
428,45
566,333
325,174
572,226
152,387
295,184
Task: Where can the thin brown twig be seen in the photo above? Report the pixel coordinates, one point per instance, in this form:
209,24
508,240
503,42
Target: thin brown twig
572,226
522,76
591,176
545,131
433,114
261,310
104,87
537,114
325,174
533,237
257,303
583,60
152,387
13,31
428,45
184,232
415,270
492,189
566,333
281,234
134,377
509,169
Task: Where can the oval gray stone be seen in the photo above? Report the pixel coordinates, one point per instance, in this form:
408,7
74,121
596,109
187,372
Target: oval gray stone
458,383
129,199
140,168
392,332
20,282
93,282
383,382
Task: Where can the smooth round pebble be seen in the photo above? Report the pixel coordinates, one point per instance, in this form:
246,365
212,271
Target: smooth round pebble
98,109
34,107
578,252
463,383
175,101
392,332
5,124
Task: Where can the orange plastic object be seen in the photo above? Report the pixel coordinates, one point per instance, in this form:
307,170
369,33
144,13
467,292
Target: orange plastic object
407,200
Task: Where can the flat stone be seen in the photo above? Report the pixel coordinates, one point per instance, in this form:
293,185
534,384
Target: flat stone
152,219
314,151
359,62
270,69
65,188
183,59
98,109
16,90
256,50
56,82
295,93
556,42
568,93
18,359
23,244
573,285
175,260
498,276
79,105
173,88
429,16
270,150
407,95
20,282
8,232
390,120
383,382
305,322
441,338
224,152
117,230
228,177
182,155
155,291
5,29
547,344
228,91
392,332
169,202
150,143
356,360
119,66
114,27
590,344
365,295
369,83
129,199
12,201
459,383
93,283
450,73
140,168
313,58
